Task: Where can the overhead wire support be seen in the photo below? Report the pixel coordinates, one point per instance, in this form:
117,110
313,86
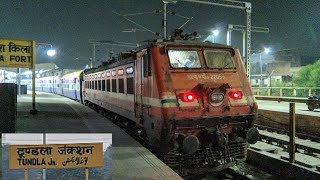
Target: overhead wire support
143,13
139,25
118,43
179,15
225,3
185,23
108,42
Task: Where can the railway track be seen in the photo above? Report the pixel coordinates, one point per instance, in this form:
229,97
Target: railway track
305,144
241,171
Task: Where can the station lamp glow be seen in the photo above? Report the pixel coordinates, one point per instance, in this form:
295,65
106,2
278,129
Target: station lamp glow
51,52
215,32
267,50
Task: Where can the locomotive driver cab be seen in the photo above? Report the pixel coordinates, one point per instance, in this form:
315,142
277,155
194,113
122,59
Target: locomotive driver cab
184,59
190,62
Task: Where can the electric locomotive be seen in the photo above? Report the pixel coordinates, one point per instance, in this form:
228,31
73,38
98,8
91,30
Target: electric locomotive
191,100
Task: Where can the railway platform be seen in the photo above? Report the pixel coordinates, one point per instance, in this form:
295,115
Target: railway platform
58,114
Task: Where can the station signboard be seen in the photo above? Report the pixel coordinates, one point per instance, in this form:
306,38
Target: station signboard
16,53
56,156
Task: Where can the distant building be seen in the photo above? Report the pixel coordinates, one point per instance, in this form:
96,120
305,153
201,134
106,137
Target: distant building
283,67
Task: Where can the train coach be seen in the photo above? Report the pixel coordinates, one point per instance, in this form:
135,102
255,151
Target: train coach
191,100
68,85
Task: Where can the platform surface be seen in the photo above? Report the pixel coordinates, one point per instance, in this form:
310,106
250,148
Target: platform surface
57,114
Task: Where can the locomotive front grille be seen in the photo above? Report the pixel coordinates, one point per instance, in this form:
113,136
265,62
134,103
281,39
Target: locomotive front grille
206,157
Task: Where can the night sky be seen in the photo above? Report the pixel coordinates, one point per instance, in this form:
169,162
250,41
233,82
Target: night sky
68,25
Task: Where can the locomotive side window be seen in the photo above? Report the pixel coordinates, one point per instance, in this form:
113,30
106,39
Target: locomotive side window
146,65
130,88
103,85
120,72
129,70
113,73
114,85
121,85
99,85
218,59
184,59
108,85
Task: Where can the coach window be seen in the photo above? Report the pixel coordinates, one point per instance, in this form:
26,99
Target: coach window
146,65
108,85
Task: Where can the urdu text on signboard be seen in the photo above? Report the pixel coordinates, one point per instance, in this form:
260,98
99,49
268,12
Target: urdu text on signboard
16,53
56,156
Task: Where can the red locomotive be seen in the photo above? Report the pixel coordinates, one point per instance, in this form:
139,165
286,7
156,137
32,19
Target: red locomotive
191,100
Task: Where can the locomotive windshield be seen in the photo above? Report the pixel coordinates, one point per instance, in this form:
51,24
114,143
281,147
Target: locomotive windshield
184,59
218,59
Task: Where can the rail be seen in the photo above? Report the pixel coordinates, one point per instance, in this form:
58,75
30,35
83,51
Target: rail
286,91
292,119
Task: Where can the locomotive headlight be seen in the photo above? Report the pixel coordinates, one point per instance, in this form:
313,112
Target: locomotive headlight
216,97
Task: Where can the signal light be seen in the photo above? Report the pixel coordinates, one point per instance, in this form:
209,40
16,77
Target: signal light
235,94
188,97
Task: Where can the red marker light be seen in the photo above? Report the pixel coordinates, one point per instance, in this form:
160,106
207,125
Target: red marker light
236,95
190,97
187,97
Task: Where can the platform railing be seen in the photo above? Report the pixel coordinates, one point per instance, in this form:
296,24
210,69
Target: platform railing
292,119
286,91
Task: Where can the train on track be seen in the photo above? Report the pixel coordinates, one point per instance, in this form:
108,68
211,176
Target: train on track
190,100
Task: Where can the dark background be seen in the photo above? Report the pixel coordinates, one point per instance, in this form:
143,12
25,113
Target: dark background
68,25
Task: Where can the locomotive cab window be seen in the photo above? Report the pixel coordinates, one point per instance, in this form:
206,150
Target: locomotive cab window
184,59
218,59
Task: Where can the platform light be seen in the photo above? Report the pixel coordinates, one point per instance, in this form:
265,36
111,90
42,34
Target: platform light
215,33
